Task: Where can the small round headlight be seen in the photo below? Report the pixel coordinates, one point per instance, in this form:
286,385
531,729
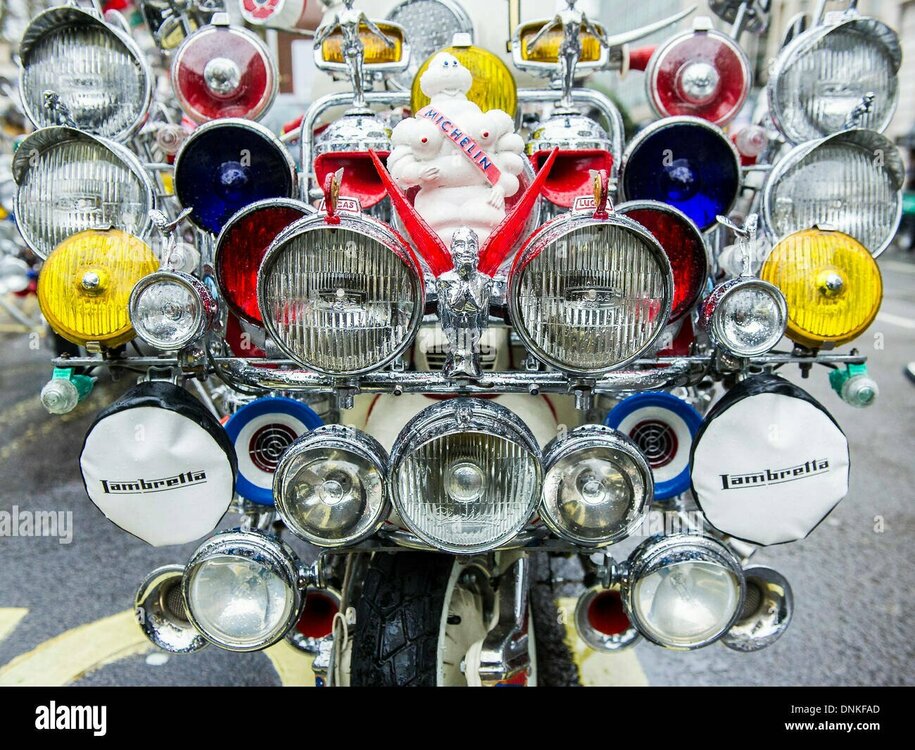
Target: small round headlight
745,316
171,309
465,475
330,486
683,591
831,283
242,590
85,285
597,486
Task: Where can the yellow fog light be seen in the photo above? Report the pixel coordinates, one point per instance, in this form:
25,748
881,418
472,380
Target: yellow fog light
376,51
546,50
831,283
493,84
85,285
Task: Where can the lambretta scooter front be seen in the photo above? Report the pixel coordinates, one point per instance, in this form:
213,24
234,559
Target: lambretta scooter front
442,353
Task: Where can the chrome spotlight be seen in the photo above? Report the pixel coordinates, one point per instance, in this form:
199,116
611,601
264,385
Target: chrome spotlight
766,612
744,316
162,614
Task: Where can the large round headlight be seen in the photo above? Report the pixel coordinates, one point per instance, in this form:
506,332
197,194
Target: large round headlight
825,73
851,181
242,591
597,485
330,486
745,316
465,475
85,285
683,591
170,309
96,70
69,181
831,283
341,299
588,296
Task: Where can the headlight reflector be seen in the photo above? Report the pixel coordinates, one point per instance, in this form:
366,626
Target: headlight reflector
745,316
170,309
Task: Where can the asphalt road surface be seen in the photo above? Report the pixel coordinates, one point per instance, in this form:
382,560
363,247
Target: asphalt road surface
64,608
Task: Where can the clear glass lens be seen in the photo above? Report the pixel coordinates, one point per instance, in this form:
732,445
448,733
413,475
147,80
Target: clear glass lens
331,494
594,298
97,79
429,26
749,321
594,494
59,396
238,602
339,301
820,87
840,185
167,314
686,603
467,490
77,185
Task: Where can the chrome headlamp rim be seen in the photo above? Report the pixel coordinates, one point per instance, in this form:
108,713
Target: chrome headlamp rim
711,311
67,14
378,233
256,547
870,28
56,135
601,641
406,53
569,130
596,436
461,416
866,140
537,67
342,438
204,314
554,231
758,630
153,613
664,551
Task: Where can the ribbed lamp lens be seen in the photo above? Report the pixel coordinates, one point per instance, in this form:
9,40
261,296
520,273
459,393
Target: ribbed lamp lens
171,309
465,475
429,26
592,298
339,300
831,283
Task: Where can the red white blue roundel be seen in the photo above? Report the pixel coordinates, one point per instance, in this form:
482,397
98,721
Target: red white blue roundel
663,427
259,11
261,431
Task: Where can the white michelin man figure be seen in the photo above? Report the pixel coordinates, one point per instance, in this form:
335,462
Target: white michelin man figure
466,164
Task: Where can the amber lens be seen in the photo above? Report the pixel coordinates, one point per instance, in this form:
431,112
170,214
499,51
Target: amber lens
376,51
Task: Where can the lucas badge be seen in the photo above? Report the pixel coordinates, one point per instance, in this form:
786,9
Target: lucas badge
767,477
142,486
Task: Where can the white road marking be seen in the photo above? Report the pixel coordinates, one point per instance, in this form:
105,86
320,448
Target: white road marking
896,320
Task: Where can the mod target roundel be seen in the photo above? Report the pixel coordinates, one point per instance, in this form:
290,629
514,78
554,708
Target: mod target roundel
663,427
261,431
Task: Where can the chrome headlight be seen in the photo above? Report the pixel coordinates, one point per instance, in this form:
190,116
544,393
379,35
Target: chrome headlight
683,591
330,486
851,181
96,70
465,475
597,486
70,181
341,299
825,73
170,309
241,590
588,296
745,316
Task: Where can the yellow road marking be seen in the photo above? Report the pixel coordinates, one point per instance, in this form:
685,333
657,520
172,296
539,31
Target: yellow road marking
595,668
292,666
10,617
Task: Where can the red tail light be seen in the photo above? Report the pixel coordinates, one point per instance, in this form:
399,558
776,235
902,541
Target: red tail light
360,179
570,176
606,614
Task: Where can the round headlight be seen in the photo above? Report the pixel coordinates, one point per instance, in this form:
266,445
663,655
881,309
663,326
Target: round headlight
587,296
685,162
745,316
702,73
597,486
96,70
85,285
851,181
831,283
341,299
683,591
242,245
69,181
171,309
826,72
465,475
226,165
223,71
330,486
242,591
682,242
